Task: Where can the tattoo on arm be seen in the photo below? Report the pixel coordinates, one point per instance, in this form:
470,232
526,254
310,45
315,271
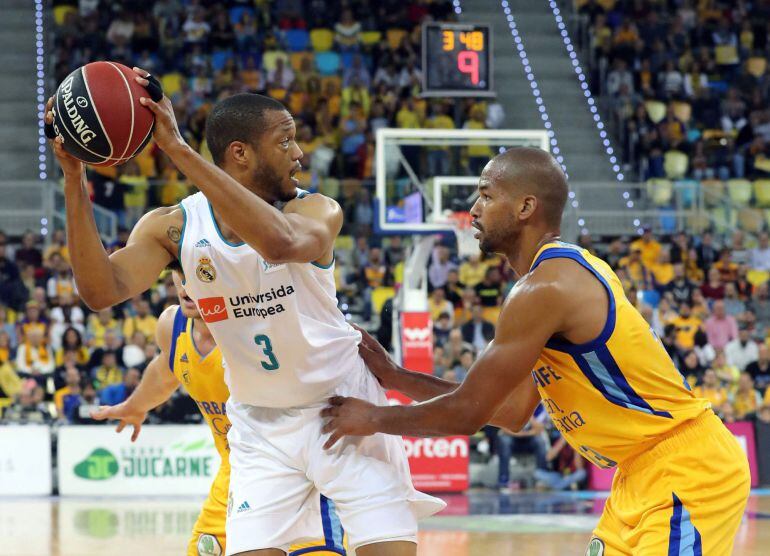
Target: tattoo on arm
174,234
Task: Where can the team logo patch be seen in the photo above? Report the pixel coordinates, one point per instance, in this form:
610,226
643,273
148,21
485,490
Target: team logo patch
213,309
205,271
208,545
595,547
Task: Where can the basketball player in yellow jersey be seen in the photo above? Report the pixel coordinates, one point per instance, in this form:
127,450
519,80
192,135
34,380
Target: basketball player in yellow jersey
189,356
567,332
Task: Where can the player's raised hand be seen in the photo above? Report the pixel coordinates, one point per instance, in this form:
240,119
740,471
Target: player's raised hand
166,131
347,417
123,412
378,360
70,165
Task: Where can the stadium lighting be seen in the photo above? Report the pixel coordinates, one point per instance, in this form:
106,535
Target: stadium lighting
40,92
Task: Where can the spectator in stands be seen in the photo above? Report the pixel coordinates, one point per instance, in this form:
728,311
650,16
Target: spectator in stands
72,378
440,266
472,271
706,252
743,350
72,340
78,409
141,319
477,331
680,288
347,31
461,366
727,374
438,305
648,246
714,288
691,367
109,372
686,325
118,393
720,327
29,253
564,469
441,329
619,77
760,369
734,306
529,440
29,408
99,324
34,359
7,326
760,255
64,316
454,289
746,400
711,389
10,382
490,293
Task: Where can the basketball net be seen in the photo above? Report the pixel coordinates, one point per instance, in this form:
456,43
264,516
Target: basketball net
467,245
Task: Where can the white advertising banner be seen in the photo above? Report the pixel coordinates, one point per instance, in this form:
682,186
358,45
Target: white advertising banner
25,460
165,459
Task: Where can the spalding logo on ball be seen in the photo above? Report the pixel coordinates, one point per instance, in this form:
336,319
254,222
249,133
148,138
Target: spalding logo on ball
96,111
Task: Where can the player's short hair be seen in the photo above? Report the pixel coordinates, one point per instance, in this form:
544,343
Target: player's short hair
237,118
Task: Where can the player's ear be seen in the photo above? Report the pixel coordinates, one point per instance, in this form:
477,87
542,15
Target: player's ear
239,152
528,206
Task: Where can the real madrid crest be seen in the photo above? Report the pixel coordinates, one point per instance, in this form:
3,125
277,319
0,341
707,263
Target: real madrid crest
205,271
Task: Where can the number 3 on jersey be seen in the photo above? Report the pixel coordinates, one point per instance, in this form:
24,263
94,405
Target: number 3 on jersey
267,350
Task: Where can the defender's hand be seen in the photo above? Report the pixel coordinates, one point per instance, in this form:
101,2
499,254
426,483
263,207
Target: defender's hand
126,414
70,165
378,360
348,417
166,131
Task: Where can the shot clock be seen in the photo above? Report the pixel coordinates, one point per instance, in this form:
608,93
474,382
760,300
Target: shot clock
456,60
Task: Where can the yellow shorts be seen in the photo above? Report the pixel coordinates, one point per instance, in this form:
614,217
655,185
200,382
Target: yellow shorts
685,495
208,534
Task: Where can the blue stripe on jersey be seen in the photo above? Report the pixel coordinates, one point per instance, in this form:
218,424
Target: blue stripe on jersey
609,325
683,539
180,323
219,232
603,373
181,239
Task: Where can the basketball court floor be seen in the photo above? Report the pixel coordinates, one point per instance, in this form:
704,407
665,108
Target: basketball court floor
479,523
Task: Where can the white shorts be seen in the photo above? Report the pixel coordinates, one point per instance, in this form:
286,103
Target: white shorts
279,465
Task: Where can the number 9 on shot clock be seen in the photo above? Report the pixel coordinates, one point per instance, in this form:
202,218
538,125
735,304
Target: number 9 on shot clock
457,60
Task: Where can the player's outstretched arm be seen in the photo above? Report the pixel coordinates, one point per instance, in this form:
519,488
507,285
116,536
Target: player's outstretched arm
512,415
303,232
156,386
105,280
534,312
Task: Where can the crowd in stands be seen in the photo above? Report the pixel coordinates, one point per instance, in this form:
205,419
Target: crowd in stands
344,70
686,82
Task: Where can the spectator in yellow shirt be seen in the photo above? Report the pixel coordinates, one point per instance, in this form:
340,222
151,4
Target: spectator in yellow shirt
99,324
472,271
108,372
135,196
711,390
635,269
143,321
663,270
746,400
71,381
648,246
686,326
728,270
438,305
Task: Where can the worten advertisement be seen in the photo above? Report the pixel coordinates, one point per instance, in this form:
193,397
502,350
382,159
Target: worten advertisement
437,464
165,459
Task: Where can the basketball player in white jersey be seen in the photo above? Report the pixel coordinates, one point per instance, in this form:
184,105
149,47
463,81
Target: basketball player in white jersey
262,278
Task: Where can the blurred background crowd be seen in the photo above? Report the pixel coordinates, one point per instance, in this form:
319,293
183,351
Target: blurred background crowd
686,85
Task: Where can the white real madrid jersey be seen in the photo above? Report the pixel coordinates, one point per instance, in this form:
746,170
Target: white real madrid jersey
284,341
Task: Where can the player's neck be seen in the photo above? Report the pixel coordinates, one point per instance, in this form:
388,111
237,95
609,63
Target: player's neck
522,255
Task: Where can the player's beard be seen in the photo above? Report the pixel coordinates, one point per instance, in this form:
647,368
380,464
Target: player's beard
273,184
499,238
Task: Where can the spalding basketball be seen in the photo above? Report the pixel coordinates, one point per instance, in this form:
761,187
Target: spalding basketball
97,112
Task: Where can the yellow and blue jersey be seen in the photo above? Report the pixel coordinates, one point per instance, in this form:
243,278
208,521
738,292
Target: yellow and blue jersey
203,376
618,394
